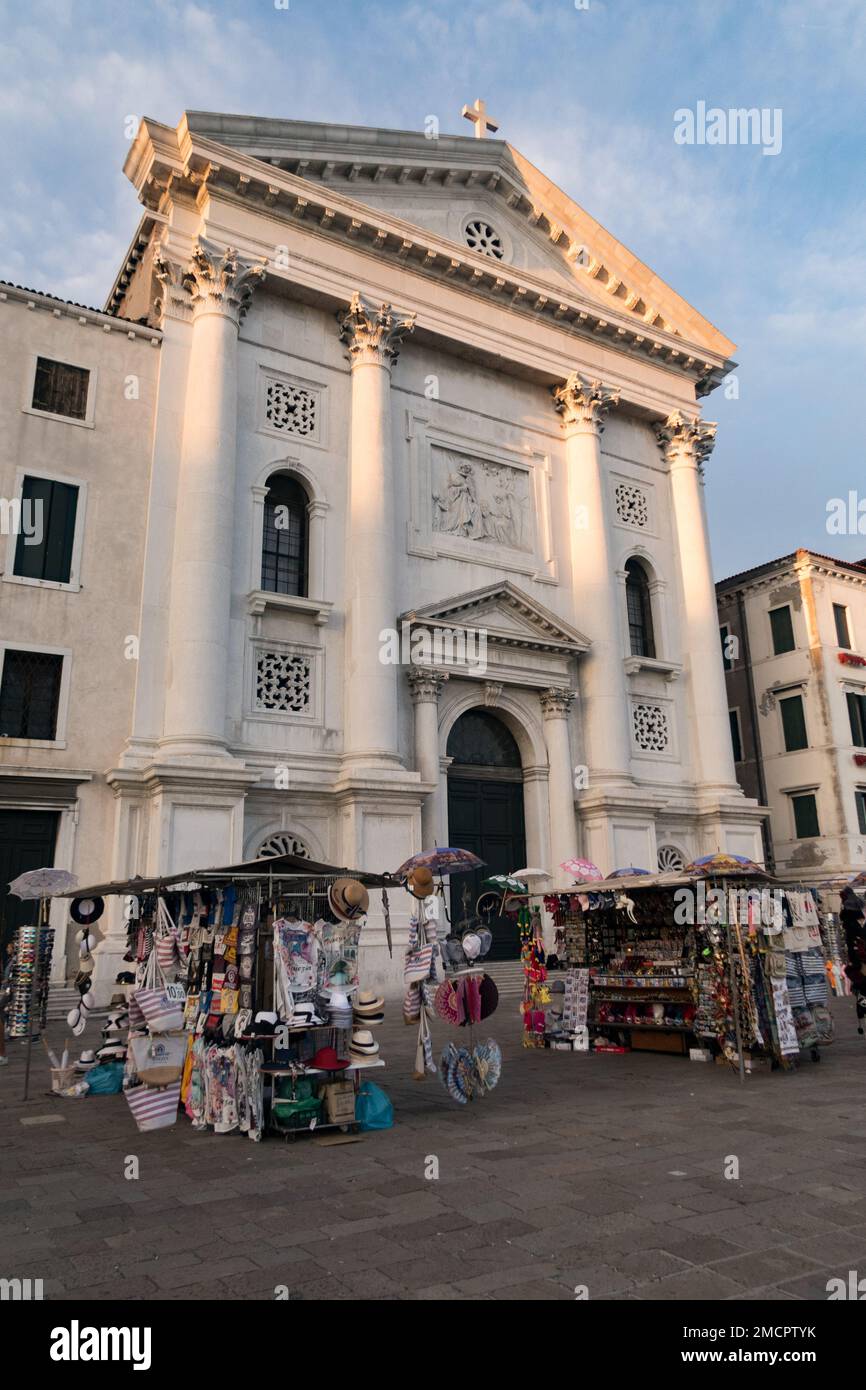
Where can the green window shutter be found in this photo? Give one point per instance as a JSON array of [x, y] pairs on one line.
[[48, 508], [782, 629], [793, 723], [806, 816]]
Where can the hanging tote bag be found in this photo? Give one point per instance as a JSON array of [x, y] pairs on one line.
[[159, 1060], [418, 965], [165, 939], [152, 1108], [162, 1004]]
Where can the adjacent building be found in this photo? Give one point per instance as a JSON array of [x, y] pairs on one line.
[[793, 634], [374, 517]]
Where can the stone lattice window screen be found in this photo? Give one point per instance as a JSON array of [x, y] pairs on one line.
[[632, 506], [651, 730], [481, 236], [283, 683], [283, 842], [291, 409], [670, 859]]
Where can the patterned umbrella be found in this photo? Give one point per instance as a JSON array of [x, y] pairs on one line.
[[42, 883], [626, 873], [442, 860], [859, 881], [582, 869], [724, 864], [504, 881]]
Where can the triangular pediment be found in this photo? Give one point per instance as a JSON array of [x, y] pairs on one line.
[[506, 614], [440, 184]]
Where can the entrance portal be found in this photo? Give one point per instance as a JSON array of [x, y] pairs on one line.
[[485, 815], [26, 842]]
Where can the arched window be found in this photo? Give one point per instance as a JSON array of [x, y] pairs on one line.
[[284, 537], [640, 617], [479, 739]]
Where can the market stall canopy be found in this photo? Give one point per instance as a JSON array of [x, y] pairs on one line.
[[638, 880], [275, 866], [729, 865]]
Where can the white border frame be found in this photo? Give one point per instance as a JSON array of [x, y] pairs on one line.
[[73, 584], [27, 405], [648, 489], [669, 707], [59, 740]]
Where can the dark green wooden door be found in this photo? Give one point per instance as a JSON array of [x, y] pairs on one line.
[[486, 816], [26, 842]]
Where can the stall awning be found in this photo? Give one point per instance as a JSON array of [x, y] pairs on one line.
[[275, 867]]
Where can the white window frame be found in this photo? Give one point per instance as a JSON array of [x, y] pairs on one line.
[[59, 740], [68, 360], [73, 584]]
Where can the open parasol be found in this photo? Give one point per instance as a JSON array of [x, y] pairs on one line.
[[583, 870], [42, 883], [736, 864], [442, 860], [506, 882]]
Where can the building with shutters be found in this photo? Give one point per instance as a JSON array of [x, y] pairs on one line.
[[793, 634]]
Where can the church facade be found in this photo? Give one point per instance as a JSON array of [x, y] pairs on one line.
[[415, 547]]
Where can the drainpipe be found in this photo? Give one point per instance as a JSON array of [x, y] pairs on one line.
[[766, 832]]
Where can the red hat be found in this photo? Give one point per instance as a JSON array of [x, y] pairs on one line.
[[326, 1059]]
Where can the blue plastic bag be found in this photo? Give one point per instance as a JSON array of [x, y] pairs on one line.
[[105, 1080], [373, 1109]]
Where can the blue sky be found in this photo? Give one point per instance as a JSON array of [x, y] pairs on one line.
[[771, 249]]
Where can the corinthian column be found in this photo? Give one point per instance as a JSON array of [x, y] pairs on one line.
[[373, 338], [555, 705], [686, 441], [425, 688], [220, 285], [583, 403]]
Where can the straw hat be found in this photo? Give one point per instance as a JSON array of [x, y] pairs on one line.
[[364, 1044], [348, 899], [420, 881]]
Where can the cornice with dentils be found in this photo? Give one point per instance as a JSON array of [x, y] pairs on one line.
[[164, 162]]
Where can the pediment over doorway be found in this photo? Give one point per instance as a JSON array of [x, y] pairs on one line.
[[512, 621]]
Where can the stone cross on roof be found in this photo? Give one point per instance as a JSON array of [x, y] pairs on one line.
[[477, 113]]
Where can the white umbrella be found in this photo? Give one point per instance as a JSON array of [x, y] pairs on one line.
[[42, 883], [531, 873]]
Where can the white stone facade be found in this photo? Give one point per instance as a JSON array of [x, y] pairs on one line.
[[797, 692], [489, 431]]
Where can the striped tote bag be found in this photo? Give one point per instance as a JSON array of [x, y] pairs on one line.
[[154, 1108]]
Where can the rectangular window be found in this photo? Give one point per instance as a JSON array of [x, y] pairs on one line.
[[736, 739], [60, 389], [840, 617], [30, 694], [724, 634], [805, 816], [783, 630], [793, 723], [49, 510], [860, 794], [857, 716]]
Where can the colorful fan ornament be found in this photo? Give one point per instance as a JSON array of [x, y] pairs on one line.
[[468, 1074]]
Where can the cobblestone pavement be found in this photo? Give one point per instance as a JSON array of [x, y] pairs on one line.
[[604, 1171]]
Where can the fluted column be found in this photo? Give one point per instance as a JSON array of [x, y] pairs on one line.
[[583, 403], [373, 338], [555, 706], [425, 688], [220, 285], [686, 441]]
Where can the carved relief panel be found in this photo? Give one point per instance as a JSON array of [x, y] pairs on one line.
[[488, 504]]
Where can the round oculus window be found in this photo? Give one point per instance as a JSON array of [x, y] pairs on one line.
[[480, 236]]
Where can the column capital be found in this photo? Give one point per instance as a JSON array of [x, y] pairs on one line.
[[583, 402], [556, 703], [373, 335], [221, 281], [425, 686], [686, 439]]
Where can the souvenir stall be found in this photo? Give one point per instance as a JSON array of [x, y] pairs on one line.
[[464, 995], [243, 999], [718, 961]]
